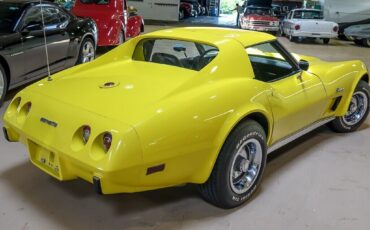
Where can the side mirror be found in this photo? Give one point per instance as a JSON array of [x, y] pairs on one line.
[[32, 26], [179, 48], [304, 65]]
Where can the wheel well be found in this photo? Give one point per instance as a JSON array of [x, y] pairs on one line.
[[5, 65], [260, 118], [91, 37], [365, 78], [142, 28]]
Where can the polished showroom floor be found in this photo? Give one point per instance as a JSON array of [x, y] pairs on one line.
[[320, 181]]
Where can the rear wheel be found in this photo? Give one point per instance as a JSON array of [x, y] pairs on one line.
[[87, 51], [239, 167], [181, 14], [3, 85], [326, 40], [366, 42], [358, 42], [292, 39], [357, 111]]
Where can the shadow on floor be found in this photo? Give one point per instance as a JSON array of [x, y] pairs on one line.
[[74, 205]]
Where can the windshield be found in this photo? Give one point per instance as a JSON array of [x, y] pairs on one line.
[[307, 14], [257, 10], [8, 16]]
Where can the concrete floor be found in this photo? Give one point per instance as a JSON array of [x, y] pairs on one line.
[[320, 181]]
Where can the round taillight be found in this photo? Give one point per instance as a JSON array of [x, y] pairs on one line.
[[107, 141], [297, 27], [335, 28], [86, 131]]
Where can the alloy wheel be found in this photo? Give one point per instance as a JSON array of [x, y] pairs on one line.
[[246, 166], [88, 52], [357, 108]]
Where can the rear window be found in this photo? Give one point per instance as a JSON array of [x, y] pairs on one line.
[[184, 54], [99, 2]]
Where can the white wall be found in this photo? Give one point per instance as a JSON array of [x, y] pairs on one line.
[[166, 10], [346, 10]]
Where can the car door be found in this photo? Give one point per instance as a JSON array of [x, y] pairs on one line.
[[297, 98], [57, 40]]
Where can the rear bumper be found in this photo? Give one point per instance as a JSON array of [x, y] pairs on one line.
[[63, 167], [313, 34]]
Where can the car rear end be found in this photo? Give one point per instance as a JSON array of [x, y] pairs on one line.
[[314, 29], [68, 142]]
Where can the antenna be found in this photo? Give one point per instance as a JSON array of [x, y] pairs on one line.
[[45, 43]]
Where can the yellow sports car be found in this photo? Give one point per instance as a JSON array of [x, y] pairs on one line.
[[185, 105]]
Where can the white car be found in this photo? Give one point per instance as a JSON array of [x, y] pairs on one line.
[[308, 23]]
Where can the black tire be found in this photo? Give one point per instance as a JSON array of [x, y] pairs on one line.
[[340, 125], [181, 14], [366, 42], [358, 42], [292, 39], [81, 56], [326, 40], [3, 85], [218, 190]]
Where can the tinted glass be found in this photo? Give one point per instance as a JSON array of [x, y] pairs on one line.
[[307, 14], [185, 54], [9, 13], [269, 63], [257, 10], [99, 2], [33, 16]]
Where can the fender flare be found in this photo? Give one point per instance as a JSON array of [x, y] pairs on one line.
[[233, 121]]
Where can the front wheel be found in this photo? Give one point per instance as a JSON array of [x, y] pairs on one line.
[[3, 85], [357, 111], [239, 167], [366, 42], [326, 40], [87, 51]]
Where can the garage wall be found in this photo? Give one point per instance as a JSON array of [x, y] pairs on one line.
[[164, 10]]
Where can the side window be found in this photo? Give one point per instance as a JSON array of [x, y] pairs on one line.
[[270, 63], [33, 16], [185, 54], [51, 16]]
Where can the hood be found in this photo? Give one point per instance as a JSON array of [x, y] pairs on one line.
[[257, 17], [124, 90]]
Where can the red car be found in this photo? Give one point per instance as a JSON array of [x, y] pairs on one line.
[[115, 21], [259, 19]]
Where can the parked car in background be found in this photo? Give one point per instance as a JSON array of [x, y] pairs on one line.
[[360, 34], [308, 23], [196, 7], [186, 10], [23, 58], [259, 19], [115, 20]]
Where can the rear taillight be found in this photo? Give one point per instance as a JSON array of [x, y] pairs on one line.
[[297, 27], [107, 141], [86, 131], [335, 28]]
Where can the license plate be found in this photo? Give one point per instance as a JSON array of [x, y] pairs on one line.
[[316, 34], [49, 161]]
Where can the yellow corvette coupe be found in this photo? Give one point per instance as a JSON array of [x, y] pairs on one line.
[[185, 105]]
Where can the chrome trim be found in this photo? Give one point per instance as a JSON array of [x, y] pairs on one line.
[[298, 134]]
